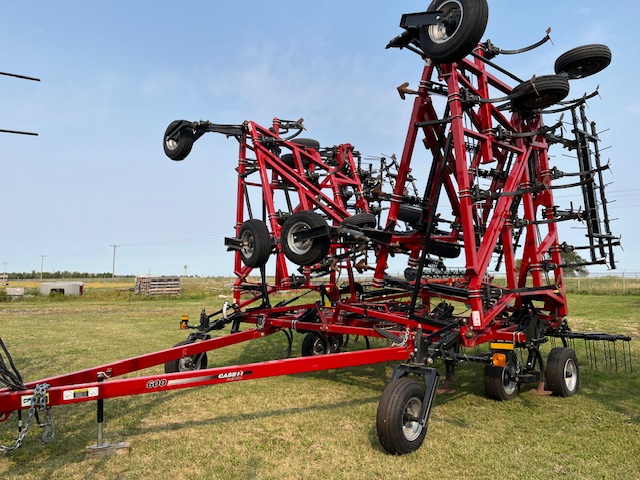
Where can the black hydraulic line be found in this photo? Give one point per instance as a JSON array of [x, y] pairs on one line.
[[497, 67], [24, 77], [12, 379], [493, 50], [284, 303], [263, 284], [18, 132], [432, 191]]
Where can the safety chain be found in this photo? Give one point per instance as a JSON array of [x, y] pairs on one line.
[[38, 403]]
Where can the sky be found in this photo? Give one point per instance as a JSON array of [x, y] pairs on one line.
[[115, 74]]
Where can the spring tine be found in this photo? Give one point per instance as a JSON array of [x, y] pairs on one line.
[[615, 356], [587, 348]]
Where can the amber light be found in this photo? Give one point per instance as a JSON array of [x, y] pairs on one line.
[[184, 322], [499, 359]]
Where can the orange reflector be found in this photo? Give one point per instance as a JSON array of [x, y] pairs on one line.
[[499, 359], [184, 322]]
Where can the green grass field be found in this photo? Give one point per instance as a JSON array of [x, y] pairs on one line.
[[308, 426]]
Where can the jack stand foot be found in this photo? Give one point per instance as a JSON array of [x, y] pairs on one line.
[[94, 451], [447, 387], [540, 390]]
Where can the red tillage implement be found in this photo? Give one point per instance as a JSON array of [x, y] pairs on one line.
[[487, 200]]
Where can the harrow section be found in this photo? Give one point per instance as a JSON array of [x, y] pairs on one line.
[[323, 225]]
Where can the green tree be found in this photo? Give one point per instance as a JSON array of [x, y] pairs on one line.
[[572, 258], [568, 258]]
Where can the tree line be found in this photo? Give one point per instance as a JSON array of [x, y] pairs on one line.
[[33, 275]]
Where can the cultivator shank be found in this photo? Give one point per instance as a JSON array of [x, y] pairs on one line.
[[322, 228]]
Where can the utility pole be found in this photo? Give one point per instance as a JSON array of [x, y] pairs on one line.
[[41, 265], [113, 271]]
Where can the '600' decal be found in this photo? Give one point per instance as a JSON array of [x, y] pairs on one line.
[[156, 383]]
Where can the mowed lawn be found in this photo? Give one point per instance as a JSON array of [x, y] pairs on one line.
[[308, 426]]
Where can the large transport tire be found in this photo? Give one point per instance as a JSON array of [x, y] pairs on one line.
[[398, 428], [367, 220], [306, 142], [562, 372], [584, 61], [410, 214], [459, 31], [444, 249], [540, 93], [178, 149], [287, 158], [256, 243], [186, 364], [306, 252], [499, 382]]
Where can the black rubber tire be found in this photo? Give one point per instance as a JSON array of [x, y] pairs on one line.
[[562, 372], [543, 92], [583, 61], [410, 214], [307, 143], [498, 382], [367, 220], [287, 158], [257, 243], [313, 344], [307, 252], [186, 364], [444, 249], [447, 44], [398, 434], [180, 148]]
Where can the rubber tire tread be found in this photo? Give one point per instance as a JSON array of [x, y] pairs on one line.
[[309, 341], [185, 142], [306, 142], [595, 55], [261, 243], [554, 372], [360, 220], [173, 366], [410, 214], [320, 245], [475, 18], [493, 384], [545, 85], [390, 414]]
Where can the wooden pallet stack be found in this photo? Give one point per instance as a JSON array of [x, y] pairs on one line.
[[150, 285]]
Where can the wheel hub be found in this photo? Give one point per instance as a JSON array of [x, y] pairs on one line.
[[449, 23], [411, 427]]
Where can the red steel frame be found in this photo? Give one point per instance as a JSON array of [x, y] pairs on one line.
[[482, 225]]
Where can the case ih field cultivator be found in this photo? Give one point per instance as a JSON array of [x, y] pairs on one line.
[[317, 217]]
